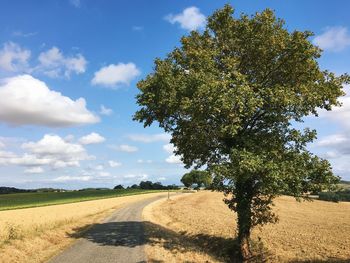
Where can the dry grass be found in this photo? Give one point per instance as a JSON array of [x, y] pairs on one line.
[[200, 228], [36, 234]]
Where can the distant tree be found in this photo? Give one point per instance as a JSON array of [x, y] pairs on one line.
[[230, 96], [134, 186], [119, 186], [146, 185], [199, 178]]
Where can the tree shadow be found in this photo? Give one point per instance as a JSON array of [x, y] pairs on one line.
[[130, 234]]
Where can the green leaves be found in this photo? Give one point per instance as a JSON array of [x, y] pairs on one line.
[[230, 95]]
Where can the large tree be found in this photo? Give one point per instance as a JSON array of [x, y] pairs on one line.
[[231, 97], [196, 177]]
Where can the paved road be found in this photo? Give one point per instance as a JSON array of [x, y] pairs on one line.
[[120, 238]]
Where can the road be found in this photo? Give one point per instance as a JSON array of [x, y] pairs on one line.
[[120, 238]]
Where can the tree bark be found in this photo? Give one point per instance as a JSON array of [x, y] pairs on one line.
[[244, 220], [244, 246]]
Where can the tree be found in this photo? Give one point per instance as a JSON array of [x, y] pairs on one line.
[[230, 96], [119, 186], [196, 177]]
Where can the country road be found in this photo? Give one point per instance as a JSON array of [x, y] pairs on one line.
[[120, 238]]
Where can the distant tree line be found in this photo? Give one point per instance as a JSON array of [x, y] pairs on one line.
[[148, 185]]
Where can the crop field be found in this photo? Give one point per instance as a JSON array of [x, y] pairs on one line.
[[26, 200], [200, 228], [36, 234]]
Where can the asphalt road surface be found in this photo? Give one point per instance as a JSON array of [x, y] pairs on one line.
[[120, 238]]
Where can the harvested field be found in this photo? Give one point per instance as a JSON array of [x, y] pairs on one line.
[[36, 234], [200, 228]]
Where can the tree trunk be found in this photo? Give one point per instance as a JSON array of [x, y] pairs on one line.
[[244, 247], [244, 220]]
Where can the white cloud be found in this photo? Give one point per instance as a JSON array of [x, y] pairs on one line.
[[333, 39], [162, 178], [67, 178], [148, 138], [113, 75], [114, 164], [338, 143], [136, 177], [54, 64], [339, 114], [25, 100], [144, 161], [99, 167], [91, 138], [2, 145], [190, 19], [169, 148], [105, 111], [174, 159], [13, 57], [104, 174], [22, 34], [124, 148], [56, 152], [34, 170]]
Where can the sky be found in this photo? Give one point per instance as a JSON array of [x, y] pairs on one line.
[[68, 74]]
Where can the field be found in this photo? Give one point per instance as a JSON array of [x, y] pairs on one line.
[[26, 200], [200, 228], [35, 234]]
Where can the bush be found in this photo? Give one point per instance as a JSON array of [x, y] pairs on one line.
[[335, 196]]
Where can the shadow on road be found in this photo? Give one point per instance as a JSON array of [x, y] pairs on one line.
[[130, 234]]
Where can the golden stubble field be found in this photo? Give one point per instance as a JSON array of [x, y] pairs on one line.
[[36, 234], [199, 228]]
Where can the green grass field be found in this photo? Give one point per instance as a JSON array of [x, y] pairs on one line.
[[26, 200]]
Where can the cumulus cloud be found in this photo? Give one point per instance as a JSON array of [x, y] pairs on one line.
[[338, 143], [113, 75], [51, 151], [34, 170], [56, 152], [13, 57], [190, 19], [92, 138], [54, 64], [174, 159], [148, 138], [114, 164], [105, 111], [124, 148], [339, 114], [169, 148], [333, 39], [25, 100]]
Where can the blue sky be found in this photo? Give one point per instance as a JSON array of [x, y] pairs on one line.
[[68, 74]]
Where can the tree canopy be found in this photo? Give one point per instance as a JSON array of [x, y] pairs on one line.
[[197, 177], [230, 97]]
